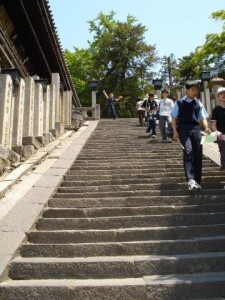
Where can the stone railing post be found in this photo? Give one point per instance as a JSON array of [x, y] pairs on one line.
[[28, 119], [52, 107], [19, 93], [97, 111], [67, 111], [6, 94], [46, 103], [207, 98], [56, 83], [38, 110], [58, 103]]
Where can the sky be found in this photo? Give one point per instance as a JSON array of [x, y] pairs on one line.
[[174, 26]]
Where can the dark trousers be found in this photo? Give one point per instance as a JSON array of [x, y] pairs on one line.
[[141, 115], [190, 139], [151, 125], [221, 145], [162, 125], [111, 111]]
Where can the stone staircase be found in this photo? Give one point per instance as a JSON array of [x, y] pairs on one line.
[[124, 226]]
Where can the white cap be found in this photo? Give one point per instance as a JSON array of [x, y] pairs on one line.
[[220, 90], [155, 97]]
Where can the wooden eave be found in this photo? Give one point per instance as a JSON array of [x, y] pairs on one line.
[[36, 32]]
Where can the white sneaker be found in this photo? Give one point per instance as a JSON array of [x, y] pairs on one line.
[[198, 186], [154, 136], [192, 185]]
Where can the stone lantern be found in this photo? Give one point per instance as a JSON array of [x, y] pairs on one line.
[[157, 86], [214, 84]]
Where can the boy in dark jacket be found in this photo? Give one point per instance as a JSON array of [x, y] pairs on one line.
[[188, 118], [151, 107]]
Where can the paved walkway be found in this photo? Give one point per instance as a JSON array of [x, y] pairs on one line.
[[26, 190]]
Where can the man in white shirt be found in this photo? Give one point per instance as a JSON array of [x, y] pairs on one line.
[[140, 111], [165, 107]]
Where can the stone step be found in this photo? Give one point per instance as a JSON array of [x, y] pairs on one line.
[[130, 221], [128, 288], [195, 286], [68, 182], [128, 190], [151, 159], [130, 211], [125, 234], [114, 267], [124, 226], [129, 155], [132, 166], [140, 194], [192, 199], [155, 247], [153, 171], [140, 173], [133, 149]]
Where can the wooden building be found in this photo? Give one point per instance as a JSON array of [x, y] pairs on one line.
[[29, 42]]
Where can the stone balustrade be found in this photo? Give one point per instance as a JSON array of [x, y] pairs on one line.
[[31, 114], [95, 112], [208, 95]]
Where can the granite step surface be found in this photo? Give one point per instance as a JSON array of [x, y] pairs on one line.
[[123, 225]]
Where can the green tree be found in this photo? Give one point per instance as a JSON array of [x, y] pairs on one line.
[[187, 68], [211, 55], [118, 57], [80, 64], [123, 59], [169, 72]]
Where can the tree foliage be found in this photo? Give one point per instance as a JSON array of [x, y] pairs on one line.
[[211, 55], [80, 64], [169, 71], [118, 57], [123, 59]]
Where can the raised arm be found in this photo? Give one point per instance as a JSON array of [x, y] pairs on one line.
[[105, 94], [120, 97]]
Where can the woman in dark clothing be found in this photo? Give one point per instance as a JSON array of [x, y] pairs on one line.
[[218, 124], [110, 104]]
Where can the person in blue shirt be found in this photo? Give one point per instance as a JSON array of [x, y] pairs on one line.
[[186, 120]]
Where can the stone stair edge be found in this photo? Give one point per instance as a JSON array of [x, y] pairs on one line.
[[129, 258]]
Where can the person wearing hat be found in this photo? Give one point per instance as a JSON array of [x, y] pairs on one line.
[[218, 124], [187, 115]]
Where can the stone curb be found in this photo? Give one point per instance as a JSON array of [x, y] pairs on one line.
[[26, 191]]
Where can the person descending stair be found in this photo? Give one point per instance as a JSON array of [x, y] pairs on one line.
[[218, 124], [151, 107], [165, 107], [186, 119]]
